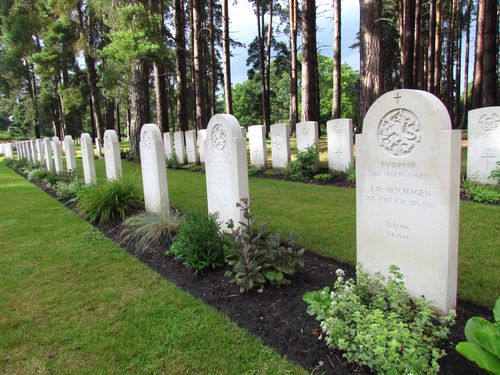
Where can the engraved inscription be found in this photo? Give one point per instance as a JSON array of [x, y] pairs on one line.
[[146, 140], [399, 132], [279, 142], [489, 121], [218, 136]]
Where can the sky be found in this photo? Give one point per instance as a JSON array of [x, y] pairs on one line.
[[243, 28]]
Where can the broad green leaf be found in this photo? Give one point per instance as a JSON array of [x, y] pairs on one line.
[[479, 356], [473, 325], [496, 311]]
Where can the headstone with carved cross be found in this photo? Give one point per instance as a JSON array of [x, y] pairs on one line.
[[180, 147], [339, 132], [168, 144], [408, 193], [307, 134], [483, 144], [193, 157], [280, 145], [257, 143]]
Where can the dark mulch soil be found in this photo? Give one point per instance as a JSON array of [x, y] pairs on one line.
[[278, 315]]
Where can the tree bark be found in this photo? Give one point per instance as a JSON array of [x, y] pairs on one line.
[[432, 45], [213, 67], [110, 114], [489, 83], [161, 97], [458, 61], [466, 64], [200, 103], [437, 51], [310, 100], [260, 40], [337, 69], [408, 41], [370, 55], [294, 98], [118, 124], [228, 95], [268, 66], [416, 46], [139, 111], [180, 66]]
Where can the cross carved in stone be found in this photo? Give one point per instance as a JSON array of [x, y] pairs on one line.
[[487, 156], [397, 97]]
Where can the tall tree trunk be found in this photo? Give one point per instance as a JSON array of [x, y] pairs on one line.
[[161, 97], [478, 58], [180, 66], [408, 41], [437, 52], [432, 46], [310, 100], [268, 65], [110, 114], [466, 64], [213, 67], [370, 55], [458, 60], [294, 98], [118, 124], [193, 78], [260, 40], [489, 83], [139, 104], [200, 104], [31, 83], [228, 95], [416, 46], [337, 69]]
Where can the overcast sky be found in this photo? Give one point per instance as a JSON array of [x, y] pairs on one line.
[[243, 28]]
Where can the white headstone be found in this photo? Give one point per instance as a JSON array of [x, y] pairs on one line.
[[69, 146], [257, 141], [180, 147], [202, 137], [39, 149], [244, 132], [339, 133], [168, 144], [49, 162], [407, 193], [153, 167], [57, 150], [112, 156], [280, 145], [191, 147], [89, 175], [10, 153], [32, 145], [98, 147], [483, 148], [226, 168], [307, 134]]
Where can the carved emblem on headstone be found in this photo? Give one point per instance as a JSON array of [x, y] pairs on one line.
[[146, 140], [107, 143], [218, 137], [279, 141], [399, 132], [489, 121]]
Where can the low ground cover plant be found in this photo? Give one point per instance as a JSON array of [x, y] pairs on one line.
[[495, 174], [481, 193], [100, 204], [483, 341], [173, 162], [376, 324], [148, 229], [303, 168], [68, 190], [199, 243], [258, 256]]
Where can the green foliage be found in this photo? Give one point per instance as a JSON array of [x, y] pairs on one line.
[[323, 177], [199, 243], [173, 162], [17, 164], [148, 229], [68, 190], [376, 323], [38, 174], [481, 193], [495, 174], [351, 174], [100, 204], [302, 169], [5, 136], [253, 171], [483, 342], [258, 256]]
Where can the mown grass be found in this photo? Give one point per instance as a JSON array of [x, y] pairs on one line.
[[73, 302], [324, 217]]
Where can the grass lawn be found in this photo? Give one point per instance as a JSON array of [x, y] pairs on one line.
[[324, 217], [73, 302]]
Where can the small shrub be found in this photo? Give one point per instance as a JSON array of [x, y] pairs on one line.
[[18, 164], [109, 201], [302, 169], [351, 174], [323, 177], [480, 193], [150, 228], [253, 171], [69, 190], [38, 174], [495, 174], [257, 256], [376, 323], [199, 243], [275, 172], [51, 179], [173, 162]]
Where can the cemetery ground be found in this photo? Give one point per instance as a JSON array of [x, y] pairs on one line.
[[324, 218]]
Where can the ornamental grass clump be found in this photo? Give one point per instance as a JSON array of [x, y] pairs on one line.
[[100, 204], [376, 324], [149, 229]]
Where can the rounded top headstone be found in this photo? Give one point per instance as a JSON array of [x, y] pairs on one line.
[[149, 134], [220, 128], [110, 137]]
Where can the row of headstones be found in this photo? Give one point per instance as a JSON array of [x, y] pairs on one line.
[[188, 146]]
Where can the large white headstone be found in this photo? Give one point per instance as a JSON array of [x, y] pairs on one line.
[[307, 134], [280, 145], [226, 167], [202, 137], [191, 147], [69, 146], [112, 158], [32, 146], [98, 147], [89, 175], [339, 132], [57, 150], [39, 150], [49, 162], [257, 141], [153, 167], [168, 143], [407, 193], [180, 147], [483, 148]]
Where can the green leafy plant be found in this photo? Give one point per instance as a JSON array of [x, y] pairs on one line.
[[148, 229], [495, 174], [351, 174], [258, 256], [323, 177], [68, 190], [253, 171], [303, 168], [111, 200], [38, 174], [483, 341], [481, 193], [199, 243], [376, 323], [173, 162]]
